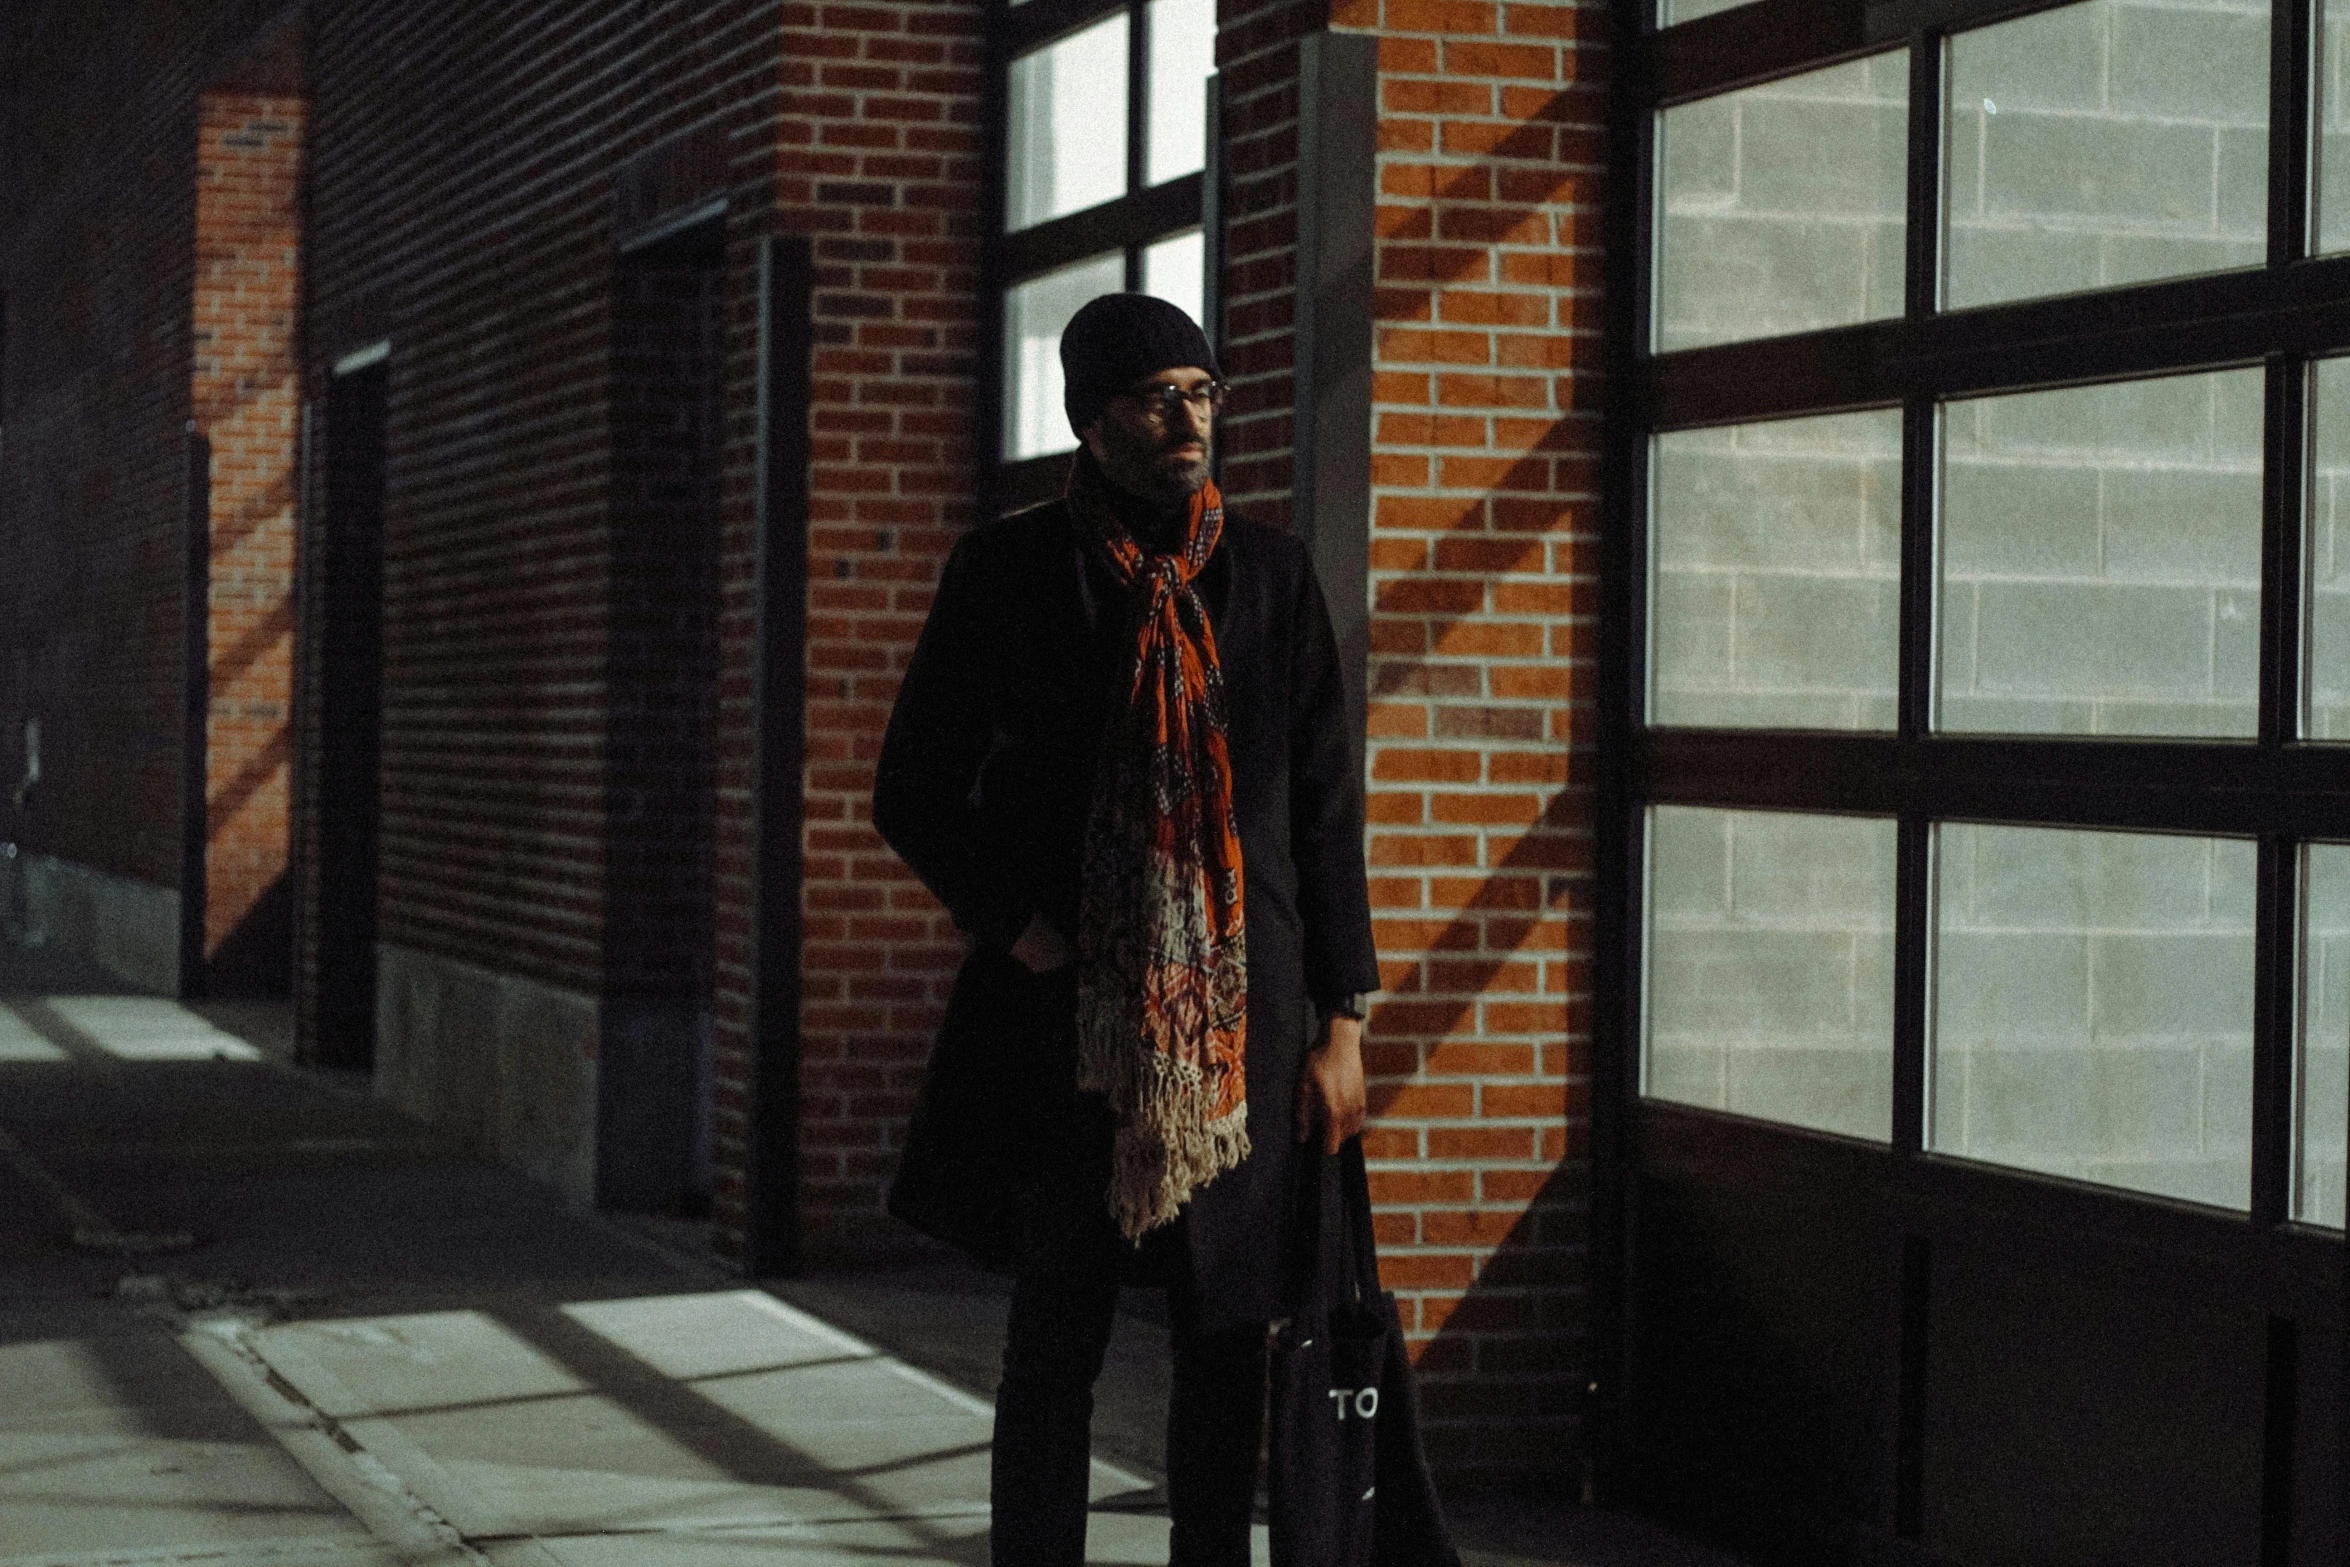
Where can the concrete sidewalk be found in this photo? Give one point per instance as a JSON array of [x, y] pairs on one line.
[[248, 1316]]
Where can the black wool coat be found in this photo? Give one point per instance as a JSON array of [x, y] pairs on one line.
[[983, 788]]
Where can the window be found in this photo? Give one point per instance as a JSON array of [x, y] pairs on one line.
[[2102, 143], [1105, 148], [2093, 1006], [2099, 559], [1770, 966], [2321, 1079], [1780, 205], [1986, 712], [1775, 593]]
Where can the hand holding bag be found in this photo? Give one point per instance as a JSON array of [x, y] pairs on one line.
[[1348, 1483]]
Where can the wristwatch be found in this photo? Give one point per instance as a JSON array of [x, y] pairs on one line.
[[1344, 1006]]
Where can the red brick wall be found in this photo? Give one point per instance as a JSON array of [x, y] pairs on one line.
[[1257, 62], [879, 157], [1485, 484], [246, 400], [462, 170], [464, 163], [1486, 490], [97, 246], [855, 125], [1485, 477]]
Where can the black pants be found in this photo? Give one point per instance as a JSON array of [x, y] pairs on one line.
[[1062, 1303]]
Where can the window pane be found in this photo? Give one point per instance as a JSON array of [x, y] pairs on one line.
[[1183, 55], [1776, 597], [1782, 205], [2329, 180], [1066, 132], [2321, 1080], [1670, 11], [1176, 270], [2106, 143], [2093, 1007], [2326, 598], [1034, 314], [1770, 966], [2100, 559]]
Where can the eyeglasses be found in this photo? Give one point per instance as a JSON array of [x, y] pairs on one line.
[[1160, 400]]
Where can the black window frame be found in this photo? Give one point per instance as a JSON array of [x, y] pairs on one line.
[[1142, 217], [2275, 789]]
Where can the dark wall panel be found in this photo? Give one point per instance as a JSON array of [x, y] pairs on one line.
[[1762, 1321], [2086, 1420]]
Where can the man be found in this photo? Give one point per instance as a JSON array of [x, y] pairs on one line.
[[1120, 759]]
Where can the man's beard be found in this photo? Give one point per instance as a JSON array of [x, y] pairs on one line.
[[1141, 465]]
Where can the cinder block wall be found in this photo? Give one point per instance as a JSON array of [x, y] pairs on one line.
[[2099, 559], [1777, 558], [1755, 241], [2057, 105], [2325, 1025], [1770, 966], [2050, 942]]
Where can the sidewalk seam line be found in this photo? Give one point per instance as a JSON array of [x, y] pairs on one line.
[[370, 1490]]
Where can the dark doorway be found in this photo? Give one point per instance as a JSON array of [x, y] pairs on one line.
[[350, 714], [655, 1073]]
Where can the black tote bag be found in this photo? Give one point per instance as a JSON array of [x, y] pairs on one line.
[[1348, 1482]]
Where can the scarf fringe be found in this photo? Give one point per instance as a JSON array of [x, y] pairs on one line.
[[1165, 1146]]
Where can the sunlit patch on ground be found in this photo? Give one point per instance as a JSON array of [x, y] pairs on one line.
[[145, 1028]]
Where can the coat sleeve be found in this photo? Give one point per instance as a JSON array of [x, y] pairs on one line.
[[1326, 809], [939, 737]]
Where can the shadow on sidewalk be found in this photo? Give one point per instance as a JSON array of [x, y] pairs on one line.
[[524, 1370]]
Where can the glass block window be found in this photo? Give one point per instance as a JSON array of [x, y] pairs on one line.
[[1034, 314], [1066, 140], [1182, 58], [1175, 270]]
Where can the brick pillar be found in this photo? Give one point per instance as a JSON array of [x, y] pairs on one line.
[[246, 399], [879, 161], [1486, 488]]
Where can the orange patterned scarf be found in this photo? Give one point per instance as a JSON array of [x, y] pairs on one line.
[[1162, 975]]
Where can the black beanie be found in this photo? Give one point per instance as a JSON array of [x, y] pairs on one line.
[[1120, 339]]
